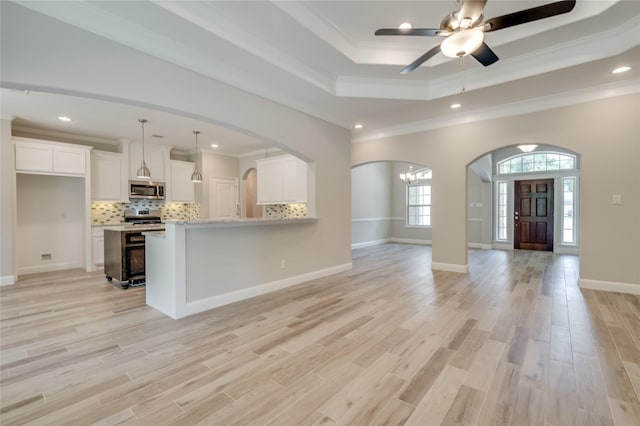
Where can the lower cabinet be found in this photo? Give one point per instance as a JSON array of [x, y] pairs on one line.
[[97, 246]]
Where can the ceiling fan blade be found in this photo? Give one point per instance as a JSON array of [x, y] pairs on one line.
[[485, 55], [530, 15], [421, 60], [410, 32], [471, 9]]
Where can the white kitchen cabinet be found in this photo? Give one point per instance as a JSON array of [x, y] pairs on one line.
[[281, 180], [181, 189], [39, 156], [156, 157], [97, 246], [108, 178]]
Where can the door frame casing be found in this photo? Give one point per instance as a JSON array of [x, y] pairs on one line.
[[558, 247]]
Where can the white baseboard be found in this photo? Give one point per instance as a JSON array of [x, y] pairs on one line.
[[410, 241], [450, 267], [480, 246], [502, 246], [356, 246], [247, 293], [7, 280], [37, 269], [609, 286], [567, 250]]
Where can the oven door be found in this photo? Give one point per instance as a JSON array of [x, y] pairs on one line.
[[134, 262]]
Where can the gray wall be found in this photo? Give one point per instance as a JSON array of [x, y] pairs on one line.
[[378, 205], [80, 63], [370, 203]]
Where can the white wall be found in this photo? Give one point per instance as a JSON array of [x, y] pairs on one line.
[[604, 133], [81, 63], [50, 219]]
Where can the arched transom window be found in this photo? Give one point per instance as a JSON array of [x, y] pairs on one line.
[[536, 162]]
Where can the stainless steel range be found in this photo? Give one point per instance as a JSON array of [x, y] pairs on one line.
[[124, 247]]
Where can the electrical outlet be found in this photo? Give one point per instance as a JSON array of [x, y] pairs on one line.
[[283, 263], [45, 256]]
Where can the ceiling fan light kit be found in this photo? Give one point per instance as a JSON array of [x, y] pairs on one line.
[[462, 43], [464, 30]]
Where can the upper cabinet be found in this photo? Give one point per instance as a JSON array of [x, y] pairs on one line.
[[281, 180], [181, 189], [45, 157], [108, 177], [156, 157]]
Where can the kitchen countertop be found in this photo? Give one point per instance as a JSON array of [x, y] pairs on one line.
[[242, 222], [150, 227]]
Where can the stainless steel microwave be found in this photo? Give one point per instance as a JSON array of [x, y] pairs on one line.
[[146, 189]]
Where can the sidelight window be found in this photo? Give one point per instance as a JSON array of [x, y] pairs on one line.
[[569, 210], [501, 208]]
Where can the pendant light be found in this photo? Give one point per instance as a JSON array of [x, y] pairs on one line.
[[196, 176], [143, 170]]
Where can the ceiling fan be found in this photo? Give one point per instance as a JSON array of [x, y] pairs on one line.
[[464, 30]]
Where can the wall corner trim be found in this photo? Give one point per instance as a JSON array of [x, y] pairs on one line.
[[7, 280], [609, 286], [202, 305], [450, 267]]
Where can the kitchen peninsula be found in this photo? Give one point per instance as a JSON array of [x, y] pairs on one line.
[[196, 266]]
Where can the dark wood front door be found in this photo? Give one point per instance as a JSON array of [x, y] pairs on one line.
[[533, 215]]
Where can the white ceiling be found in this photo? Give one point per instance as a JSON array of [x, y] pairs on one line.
[[322, 57]]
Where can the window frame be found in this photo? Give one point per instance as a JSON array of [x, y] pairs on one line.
[[562, 156], [425, 183]]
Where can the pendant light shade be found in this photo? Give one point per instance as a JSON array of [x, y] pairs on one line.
[[143, 170], [196, 176]]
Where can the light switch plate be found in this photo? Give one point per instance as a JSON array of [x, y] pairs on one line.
[[617, 199]]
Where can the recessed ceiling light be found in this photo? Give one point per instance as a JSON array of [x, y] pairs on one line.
[[455, 106], [215, 145], [63, 118], [358, 126], [620, 70], [405, 26]]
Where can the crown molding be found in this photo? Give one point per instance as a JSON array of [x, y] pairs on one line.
[[576, 52], [393, 53], [206, 16], [508, 110], [18, 130]]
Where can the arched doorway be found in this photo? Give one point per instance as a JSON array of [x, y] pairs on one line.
[[251, 208], [533, 201], [386, 209]]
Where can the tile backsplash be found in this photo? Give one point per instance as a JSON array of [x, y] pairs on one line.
[[113, 213], [286, 211]]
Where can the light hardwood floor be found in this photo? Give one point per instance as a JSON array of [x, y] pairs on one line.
[[514, 342]]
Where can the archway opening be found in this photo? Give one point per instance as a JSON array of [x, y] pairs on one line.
[[524, 200]]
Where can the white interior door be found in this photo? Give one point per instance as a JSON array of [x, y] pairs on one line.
[[223, 198]]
